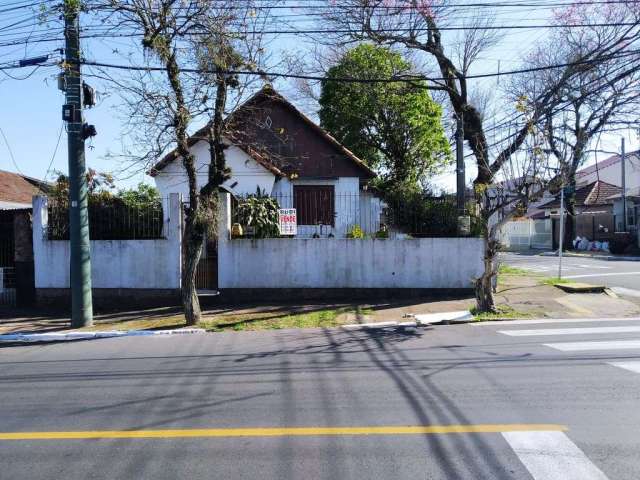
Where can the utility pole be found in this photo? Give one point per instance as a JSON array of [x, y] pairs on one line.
[[80, 257], [561, 232], [460, 181], [624, 186]]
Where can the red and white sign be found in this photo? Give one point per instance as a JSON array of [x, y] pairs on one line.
[[287, 221]]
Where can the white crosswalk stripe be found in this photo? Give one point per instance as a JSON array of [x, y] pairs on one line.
[[554, 328], [605, 345], [631, 366], [570, 331], [552, 456]]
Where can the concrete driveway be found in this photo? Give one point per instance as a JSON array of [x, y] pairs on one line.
[[619, 274]]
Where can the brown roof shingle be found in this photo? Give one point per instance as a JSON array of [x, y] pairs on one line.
[[596, 193], [14, 188], [267, 92]]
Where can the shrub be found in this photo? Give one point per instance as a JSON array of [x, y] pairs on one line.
[[261, 213], [355, 232]]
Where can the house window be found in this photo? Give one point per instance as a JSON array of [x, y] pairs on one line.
[[631, 216], [314, 204]]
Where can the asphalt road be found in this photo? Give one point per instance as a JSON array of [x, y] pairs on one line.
[[524, 409], [622, 274]]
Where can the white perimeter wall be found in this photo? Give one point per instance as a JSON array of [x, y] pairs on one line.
[[114, 263], [346, 263]]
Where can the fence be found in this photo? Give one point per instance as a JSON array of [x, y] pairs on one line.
[[369, 263], [595, 226], [324, 213], [112, 220], [7, 286], [7, 242], [525, 234]]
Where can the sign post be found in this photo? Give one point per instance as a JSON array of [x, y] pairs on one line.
[[561, 233], [287, 221]]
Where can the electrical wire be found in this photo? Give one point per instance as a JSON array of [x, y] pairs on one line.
[[55, 151], [13, 159]]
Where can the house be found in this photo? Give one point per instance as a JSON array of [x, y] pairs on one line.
[[17, 190], [593, 209], [610, 171], [277, 150], [542, 223], [16, 250], [632, 203]]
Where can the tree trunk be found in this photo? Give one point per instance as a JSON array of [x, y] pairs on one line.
[[484, 284], [193, 242]]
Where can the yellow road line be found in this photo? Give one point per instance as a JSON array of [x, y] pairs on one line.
[[282, 432]]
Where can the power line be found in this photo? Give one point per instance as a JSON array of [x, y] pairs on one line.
[[55, 151], [393, 79], [13, 159]]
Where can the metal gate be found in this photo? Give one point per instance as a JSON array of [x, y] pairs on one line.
[[207, 269], [7, 259]]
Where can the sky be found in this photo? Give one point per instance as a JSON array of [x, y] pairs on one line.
[[30, 108]]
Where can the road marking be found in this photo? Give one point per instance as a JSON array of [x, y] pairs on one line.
[[552, 456], [569, 331], [535, 321], [613, 274], [631, 366], [282, 432], [612, 345], [626, 291]]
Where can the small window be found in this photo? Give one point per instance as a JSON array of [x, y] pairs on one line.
[[314, 204]]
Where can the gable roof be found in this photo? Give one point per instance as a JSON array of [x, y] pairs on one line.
[[607, 162], [202, 135], [267, 93], [596, 193], [16, 191]]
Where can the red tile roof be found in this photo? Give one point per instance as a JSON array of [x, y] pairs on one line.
[[14, 188], [596, 193]]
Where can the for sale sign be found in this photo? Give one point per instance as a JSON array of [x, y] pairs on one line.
[[287, 221]]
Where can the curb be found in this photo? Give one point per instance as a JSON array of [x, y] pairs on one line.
[[61, 337], [580, 287], [446, 318], [381, 325], [443, 318], [610, 258]]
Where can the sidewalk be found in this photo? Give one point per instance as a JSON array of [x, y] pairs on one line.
[[518, 296]]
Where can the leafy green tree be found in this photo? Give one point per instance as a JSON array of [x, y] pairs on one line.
[[395, 127], [143, 195]]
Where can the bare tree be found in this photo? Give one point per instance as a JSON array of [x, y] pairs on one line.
[[198, 45], [416, 26], [602, 97]]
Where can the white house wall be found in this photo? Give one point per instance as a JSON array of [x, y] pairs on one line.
[[346, 197], [613, 174], [246, 173]]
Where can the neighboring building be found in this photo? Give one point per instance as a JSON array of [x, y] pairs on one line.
[[610, 171], [279, 151], [633, 210], [16, 191], [593, 208], [595, 221], [16, 250]]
